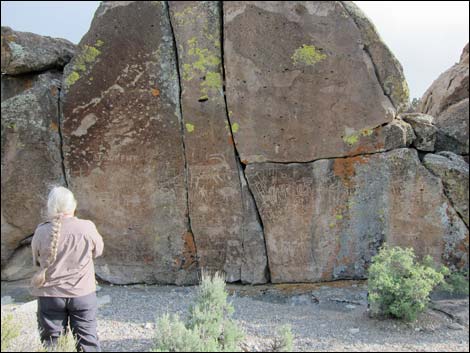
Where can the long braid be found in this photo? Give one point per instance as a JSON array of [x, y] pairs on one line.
[[39, 278]]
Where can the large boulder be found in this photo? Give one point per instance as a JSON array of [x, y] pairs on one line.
[[31, 158], [452, 128], [325, 220], [302, 83], [24, 52], [424, 129], [447, 99], [453, 171], [222, 219], [123, 144], [14, 85], [449, 88]]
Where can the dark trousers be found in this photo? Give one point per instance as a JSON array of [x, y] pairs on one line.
[[55, 313]]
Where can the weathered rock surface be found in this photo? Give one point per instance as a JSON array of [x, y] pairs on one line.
[[216, 205], [453, 171], [24, 52], [14, 85], [123, 145], [300, 84], [449, 88], [19, 266], [168, 171], [325, 220], [31, 159], [452, 125], [388, 68], [447, 99], [424, 129]]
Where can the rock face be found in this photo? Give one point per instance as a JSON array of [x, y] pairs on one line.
[[449, 88], [123, 147], [24, 52], [275, 52], [265, 140], [217, 209], [447, 100], [452, 128], [31, 159], [453, 171], [325, 220]]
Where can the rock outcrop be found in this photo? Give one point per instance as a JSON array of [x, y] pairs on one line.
[[453, 171], [325, 220], [447, 100], [24, 52], [301, 84], [262, 139], [220, 215], [31, 156], [123, 144]]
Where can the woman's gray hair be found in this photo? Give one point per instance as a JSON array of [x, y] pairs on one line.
[[60, 201]]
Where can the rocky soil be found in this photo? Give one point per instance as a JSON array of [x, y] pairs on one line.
[[328, 317]]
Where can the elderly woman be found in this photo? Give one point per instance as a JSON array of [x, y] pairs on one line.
[[64, 248]]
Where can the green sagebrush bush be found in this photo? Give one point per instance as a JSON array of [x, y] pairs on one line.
[[284, 341], [65, 343], [456, 283], [209, 327], [11, 331], [398, 285]]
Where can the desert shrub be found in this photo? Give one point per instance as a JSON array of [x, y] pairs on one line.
[[209, 327], [398, 285], [10, 330], [456, 282], [284, 341], [65, 343]]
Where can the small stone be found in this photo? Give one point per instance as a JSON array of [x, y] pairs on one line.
[[349, 306], [354, 330], [148, 326]]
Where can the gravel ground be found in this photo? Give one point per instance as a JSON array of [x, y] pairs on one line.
[[329, 317]]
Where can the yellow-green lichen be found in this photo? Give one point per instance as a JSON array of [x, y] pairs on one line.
[[397, 89], [189, 127], [186, 16], [332, 224], [82, 62], [72, 78], [339, 217], [235, 127], [351, 139], [213, 80], [86, 57], [308, 55]]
